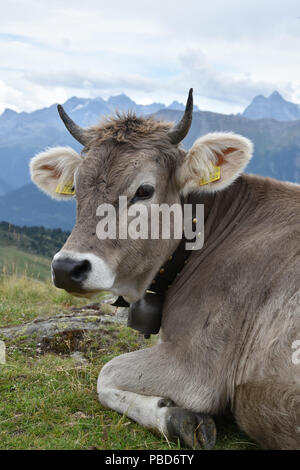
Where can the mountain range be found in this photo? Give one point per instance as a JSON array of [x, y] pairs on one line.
[[277, 147], [24, 134], [273, 107]]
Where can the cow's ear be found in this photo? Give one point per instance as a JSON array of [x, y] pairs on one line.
[[214, 162], [53, 171]]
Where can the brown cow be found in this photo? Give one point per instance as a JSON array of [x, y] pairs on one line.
[[230, 331]]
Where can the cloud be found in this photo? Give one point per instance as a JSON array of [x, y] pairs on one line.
[[233, 87], [91, 80], [8, 96], [227, 51]]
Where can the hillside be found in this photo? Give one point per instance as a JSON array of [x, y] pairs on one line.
[[14, 261], [28, 250], [30, 206]]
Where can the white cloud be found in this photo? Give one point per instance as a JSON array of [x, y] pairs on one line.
[[8, 96], [152, 50]]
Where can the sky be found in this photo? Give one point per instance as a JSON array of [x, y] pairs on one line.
[[228, 51]]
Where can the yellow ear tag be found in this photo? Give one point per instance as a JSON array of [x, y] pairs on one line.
[[67, 189], [214, 175]]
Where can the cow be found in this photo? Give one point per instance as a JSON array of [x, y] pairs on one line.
[[230, 328]]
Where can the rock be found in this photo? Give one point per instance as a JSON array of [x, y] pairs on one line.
[[2, 352], [122, 314], [93, 317]]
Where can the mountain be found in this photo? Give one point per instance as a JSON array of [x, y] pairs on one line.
[[276, 154], [24, 134], [274, 107], [30, 206], [4, 187], [276, 144]]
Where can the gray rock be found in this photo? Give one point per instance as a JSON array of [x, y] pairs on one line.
[[92, 317]]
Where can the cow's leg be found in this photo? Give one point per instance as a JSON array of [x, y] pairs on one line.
[[140, 384], [269, 413]]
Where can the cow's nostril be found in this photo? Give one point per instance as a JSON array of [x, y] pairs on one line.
[[69, 274], [79, 272]]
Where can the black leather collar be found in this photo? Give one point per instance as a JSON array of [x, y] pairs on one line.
[[145, 314]]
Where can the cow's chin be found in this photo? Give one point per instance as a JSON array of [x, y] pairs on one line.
[[129, 290], [86, 295], [130, 295], [93, 294]]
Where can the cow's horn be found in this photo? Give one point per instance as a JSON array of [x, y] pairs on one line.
[[178, 132], [76, 131]]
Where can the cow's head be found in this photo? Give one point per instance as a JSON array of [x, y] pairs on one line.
[[140, 158]]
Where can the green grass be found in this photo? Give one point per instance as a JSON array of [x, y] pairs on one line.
[[48, 401], [23, 299], [15, 261]]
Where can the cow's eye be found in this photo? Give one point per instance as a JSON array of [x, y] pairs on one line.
[[145, 191]]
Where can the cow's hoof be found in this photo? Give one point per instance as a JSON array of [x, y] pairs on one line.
[[195, 430]]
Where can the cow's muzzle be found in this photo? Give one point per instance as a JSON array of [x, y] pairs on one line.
[[70, 274]]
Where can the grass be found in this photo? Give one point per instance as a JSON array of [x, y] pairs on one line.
[[23, 299], [49, 400], [15, 261]]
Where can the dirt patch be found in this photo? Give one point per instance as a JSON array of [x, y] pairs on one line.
[[69, 341]]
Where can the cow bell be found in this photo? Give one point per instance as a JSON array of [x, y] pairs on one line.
[[145, 314]]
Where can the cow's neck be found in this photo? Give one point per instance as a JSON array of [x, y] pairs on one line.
[[145, 314], [223, 212]]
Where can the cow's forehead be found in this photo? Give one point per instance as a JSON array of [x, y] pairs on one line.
[[113, 162], [122, 147], [128, 128], [113, 168], [129, 135], [110, 154]]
